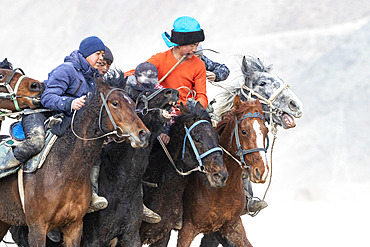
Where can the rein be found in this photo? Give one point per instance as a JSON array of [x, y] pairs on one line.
[[104, 105], [12, 95]]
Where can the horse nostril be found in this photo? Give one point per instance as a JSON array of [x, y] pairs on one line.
[[293, 105], [143, 135], [258, 173]]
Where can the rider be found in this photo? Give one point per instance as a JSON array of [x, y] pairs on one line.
[[69, 83], [178, 68], [108, 59]]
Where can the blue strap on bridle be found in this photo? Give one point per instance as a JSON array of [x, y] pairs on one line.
[[241, 152], [199, 157]]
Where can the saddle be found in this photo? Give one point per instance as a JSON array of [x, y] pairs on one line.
[[16, 136]]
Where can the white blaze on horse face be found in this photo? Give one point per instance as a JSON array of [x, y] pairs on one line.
[[259, 143]]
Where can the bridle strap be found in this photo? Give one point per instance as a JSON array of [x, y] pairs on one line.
[[12, 95], [146, 100], [188, 136]]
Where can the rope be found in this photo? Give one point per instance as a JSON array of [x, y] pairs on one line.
[[274, 132]]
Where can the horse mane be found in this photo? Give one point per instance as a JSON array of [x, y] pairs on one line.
[[5, 64], [115, 78], [192, 113]]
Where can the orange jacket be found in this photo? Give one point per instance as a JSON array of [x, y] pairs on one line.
[[191, 74]]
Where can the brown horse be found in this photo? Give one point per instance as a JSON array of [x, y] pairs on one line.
[[18, 91], [242, 135], [58, 194]]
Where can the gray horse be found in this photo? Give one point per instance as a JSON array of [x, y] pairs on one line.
[[279, 103]]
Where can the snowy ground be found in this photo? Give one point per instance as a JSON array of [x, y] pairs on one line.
[[321, 175]]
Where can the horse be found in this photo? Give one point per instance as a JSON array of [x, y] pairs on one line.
[[122, 168], [193, 147], [242, 135], [279, 103], [58, 194], [18, 91]]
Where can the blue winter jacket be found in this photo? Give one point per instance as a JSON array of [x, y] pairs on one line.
[[70, 80], [221, 71]]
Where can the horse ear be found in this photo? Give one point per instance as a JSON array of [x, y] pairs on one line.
[[199, 106], [237, 102], [247, 72], [268, 68]]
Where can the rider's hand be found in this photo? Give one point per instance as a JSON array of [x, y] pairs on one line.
[[165, 138], [78, 103], [210, 76]]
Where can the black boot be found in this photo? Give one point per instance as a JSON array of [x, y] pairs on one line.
[[8, 162], [252, 206]]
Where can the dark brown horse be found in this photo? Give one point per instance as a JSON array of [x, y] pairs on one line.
[[193, 145], [242, 135], [58, 194]]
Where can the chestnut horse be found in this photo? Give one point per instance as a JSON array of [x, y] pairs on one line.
[[18, 91], [242, 136], [58, 194]]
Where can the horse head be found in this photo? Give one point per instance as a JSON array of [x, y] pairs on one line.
[[244, 134], [276, 96], [118, 114], [199, 144], [18, 91]]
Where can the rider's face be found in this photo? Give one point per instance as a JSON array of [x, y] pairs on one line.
[[191, 49], [95, 59]]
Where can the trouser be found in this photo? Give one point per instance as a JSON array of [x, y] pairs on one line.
[[94, 176], [34, 131]]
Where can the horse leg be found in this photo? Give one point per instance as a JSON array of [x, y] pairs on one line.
[[186, 235], [162, 242], [72, 234], [214, 239], [37, 235], [4, 227], [133, 240], [236, 234]]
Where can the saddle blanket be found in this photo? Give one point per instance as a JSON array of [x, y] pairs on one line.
[[32, 164]]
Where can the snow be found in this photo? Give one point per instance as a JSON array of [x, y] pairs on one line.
[[321, 172]]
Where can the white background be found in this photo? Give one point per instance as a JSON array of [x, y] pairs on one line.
[[321, 171]]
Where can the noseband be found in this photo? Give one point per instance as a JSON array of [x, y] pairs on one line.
[[199, 157], [241, 152], [12, 95]]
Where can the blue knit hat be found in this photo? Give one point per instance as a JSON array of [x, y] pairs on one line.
[[91, 45], [186, 30], [108, 55]]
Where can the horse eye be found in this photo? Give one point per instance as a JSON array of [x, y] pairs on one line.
[[115, 103], [262, 83], [34, 85], [1, 76], [244, 132], [196, 139]]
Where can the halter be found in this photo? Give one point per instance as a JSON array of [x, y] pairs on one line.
[[146, 100], [241, 152], [12, 95], [270, 101], [199, 157], [104, 105]]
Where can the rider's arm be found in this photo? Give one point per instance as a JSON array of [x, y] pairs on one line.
[[220, 70]]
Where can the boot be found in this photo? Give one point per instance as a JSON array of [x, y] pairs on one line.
[[9, 161], [54, 235], [150, 216], [252, 206], [97, 202]]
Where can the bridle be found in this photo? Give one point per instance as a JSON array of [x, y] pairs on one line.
[[145, 99], [200, 166], [12, 94], [197, 155], [117, 130], [270, 101], [240, 151]]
